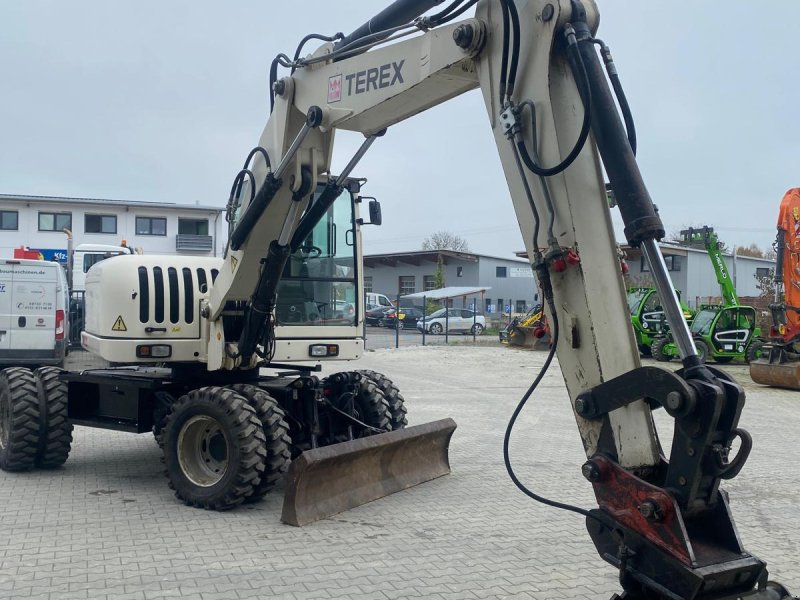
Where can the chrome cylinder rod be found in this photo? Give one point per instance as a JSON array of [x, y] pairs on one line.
[[669, 299]]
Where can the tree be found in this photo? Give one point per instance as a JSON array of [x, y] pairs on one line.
[[445, 240], [751, 250], [766, 285]]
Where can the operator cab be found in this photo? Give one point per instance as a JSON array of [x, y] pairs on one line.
[[729, 329]]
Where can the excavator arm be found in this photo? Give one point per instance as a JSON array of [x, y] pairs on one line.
[[665, 524]]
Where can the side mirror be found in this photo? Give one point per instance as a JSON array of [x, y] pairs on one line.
[[375, 217]]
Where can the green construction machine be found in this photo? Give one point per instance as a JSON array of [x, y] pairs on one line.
[[724, 331], [647, 316]]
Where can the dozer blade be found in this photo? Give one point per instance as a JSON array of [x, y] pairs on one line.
[[328, 480], [776, 374]]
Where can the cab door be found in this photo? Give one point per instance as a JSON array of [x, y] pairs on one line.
[[733, 328]]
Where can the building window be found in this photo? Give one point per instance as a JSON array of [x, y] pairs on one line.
[[151, 226], [459, 271], [192, 226], [520, 306], [428, 283], [100, 224], [672, 261], [54, 221], [9, 220], [501, 272], [367, 283], [407, 285], [487, 303], [763, 273], [500, 307]]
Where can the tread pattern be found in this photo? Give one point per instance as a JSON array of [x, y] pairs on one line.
[[276, 433], [657, 349], [391, 392], [241, 424], [373, 407], [20, 411], [55, 439]]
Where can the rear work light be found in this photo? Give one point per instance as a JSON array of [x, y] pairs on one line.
[[153, 351], [323, 350], [59, 324]]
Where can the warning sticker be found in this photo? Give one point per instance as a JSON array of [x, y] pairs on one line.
[[119, 325]]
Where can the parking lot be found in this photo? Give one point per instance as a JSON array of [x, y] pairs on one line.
[[107, 525]]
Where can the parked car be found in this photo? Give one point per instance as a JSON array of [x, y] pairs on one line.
[[375, 300], [456, 319], [409, 316], [374, 315]]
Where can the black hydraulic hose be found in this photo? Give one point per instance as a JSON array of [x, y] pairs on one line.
[[582, 82], [253, 152], [619, 93], [446, 16], [512, 421], [281, 59], [504, 54], [397, 13], [314, 36], [511, 77]]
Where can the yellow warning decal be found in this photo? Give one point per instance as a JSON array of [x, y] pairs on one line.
[[119, 325]]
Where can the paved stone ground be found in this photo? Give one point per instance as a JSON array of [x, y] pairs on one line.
[[107, 526]]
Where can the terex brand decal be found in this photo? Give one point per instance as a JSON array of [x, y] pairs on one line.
[[364, 81]]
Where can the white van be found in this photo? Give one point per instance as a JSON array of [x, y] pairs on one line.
[[34, 312], [374, 300]]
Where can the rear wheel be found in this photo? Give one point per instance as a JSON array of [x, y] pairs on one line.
[[276, 432], [702, 350], [55, 439], [19, 420], [477, 329], [396, 402], [754, 351], [372, 408], [657, 349], [214, 448]]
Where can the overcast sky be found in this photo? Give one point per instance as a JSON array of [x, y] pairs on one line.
[[161, 101]]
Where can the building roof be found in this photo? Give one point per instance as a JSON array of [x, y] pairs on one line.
[[19, 199], [446, 292], [417, 257]]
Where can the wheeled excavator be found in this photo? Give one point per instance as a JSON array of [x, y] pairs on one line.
[[779, 364], [551, 90]]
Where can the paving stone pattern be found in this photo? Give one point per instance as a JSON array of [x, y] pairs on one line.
[[107, 526]]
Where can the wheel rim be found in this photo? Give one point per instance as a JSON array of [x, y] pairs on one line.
[[436, 328], [400, 325], [203, 451], [5, 417]]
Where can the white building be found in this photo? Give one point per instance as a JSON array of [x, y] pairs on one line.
[[156, 227]]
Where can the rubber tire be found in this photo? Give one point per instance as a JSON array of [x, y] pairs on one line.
[[476, 329], [702, 350], [55, 433], [657, 349], [245, 457], [436, 329], [276, 432], [20, 405], [751, 354], [163, 406], [372, 407], [397, 404], [400, 325]]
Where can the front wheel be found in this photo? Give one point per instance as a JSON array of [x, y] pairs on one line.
[[477, 329], [400, 324], [657, 349], [214, 448], [436, 329], [754, 351], [702, 350], [19, 420]]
